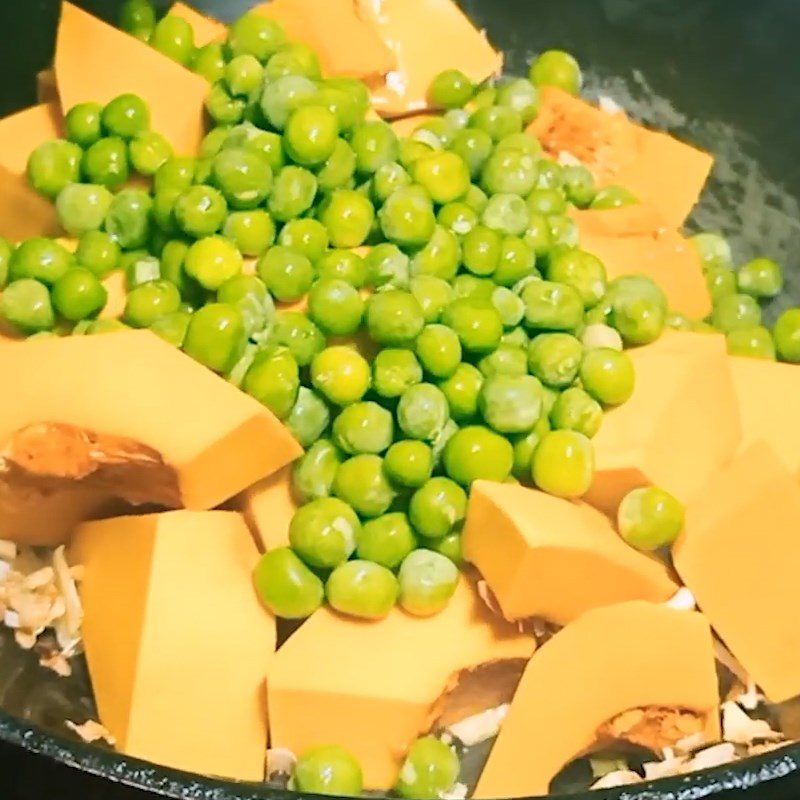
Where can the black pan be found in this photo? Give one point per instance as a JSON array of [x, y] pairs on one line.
[[724, 74]]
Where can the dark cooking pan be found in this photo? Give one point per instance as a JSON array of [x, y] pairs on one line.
[[724, 74]]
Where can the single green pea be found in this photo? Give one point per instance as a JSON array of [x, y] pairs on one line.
[[40, 258], [83, 125], [310, 134], [335, 306], [713, 249], [82, 207], [173, 258], [517, 261], [538, 236], [243, 75], [394, 371], [218, 137], [407, 217], [582, 271], [106, 162], [287, 274], [599, 335], [638, 320], [100, 326], [148, 151], [510, 171], [252, 232], [522, 96], [78, 294], [174, 37], [340, 374], [477, 453], [128, 219], [457, 217], [720, 281], [338, 170], [563, 464], [635, 287], [557, 68], [348, 217], [427, 582], [476, 198], [274, 380], [524, 447], [146, 303], [362, 589], [286, 586], [649, 518], [477, 324], [444, 175], [363, 427], [509, 306], [53, 165], [430, 770], [222, 107], [408, 463], [510, 403], [608, 375], [450, 89], [328, 770], [343, 103], [6, 251], [309, 417], [563, 230], [555, 359], [256, 35], [388, 178], [394, 318], [474, 146], [314, 472], [506, 360], [546, 201], [293, 193], [612, 197], [324, 532], [497, 121], [126, 116], [552, 306], [579, 185], [787, 335], [296, 332], [439, 350], [294, 58], [735, 311], [306, 236], [343, 265], [200, 211], [375, 144], [760, 278], [209, 61], [576, 410], [26, 305], [422, 411], [440, 257], [177, 172], [243, 176], [140, 267], [137, 17], [172, 327], [387, 540], [433, 294], [387, 266], [482, 248], [461, 390], [753, 342], [216, 336], [213, 260], [507, 214], [438, 507], [516, 338], [361, 482]]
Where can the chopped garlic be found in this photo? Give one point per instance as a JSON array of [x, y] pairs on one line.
[[280, 761], [599, 335], [714, 756], [428, 137], [682, 600], [622, 777], [738, 728], [457, 792], [653, 770], [479, 727]]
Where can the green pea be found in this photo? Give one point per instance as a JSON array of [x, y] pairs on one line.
[[422, 411], [563, 464], [140, 267], [306, 236], [128, 218], [735, 311], [216, 336], [477, 325], [314, 472], [137, 17], [287, 274], [106, 162], [148, 151], [78, 294], [40, 258], [394, 317], [363, 427], [340, 374], [375, 144], [252, 232], [506, 360], [612, 197], [476, 198], [394, 371], [295, 331], [753, 342], [450, 89], [509, 306], [348, 217], [387, 266], [343, 265], [438, 350], [274, 380], [335, 306], [6, 251], [438, 507], [457, 217], [256, 35], [309, 417], [649, 518], [720, 281], [358, 97], [172, 327], [361, 482], [474, 146], [510, 403], [433, 295], [100, 326], [461, 390], [477, 453], [497, 121], [293, 193], [209, 61], [387, 540], [608, 375], [787, 335], [222, 108], [342, 103], [408, 463], [517, 261], [430, 770], [146, 303], [582, 271], [174, 37], [638, 320], [127, 115], [213, 260], [550, 174], [294, 58], [576, 410], [286, 586], [339, 168], [407, 217], [579, 185], [538, 236], [310, 135], [713, 249], [552, 306], [200, 211], [82, 207], [444, 175], [243, 75], [324, 532], [557, 68], [520, 95], [761, 277], [555, 359], [362, 589], [82, 124], [427, 582], [524, 447], [388, 178], [53, 165], [243, 176], [506, 213], [328, 770], [26, 305], [177, 172], [510, 171], [517, 338], [440, 257]]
